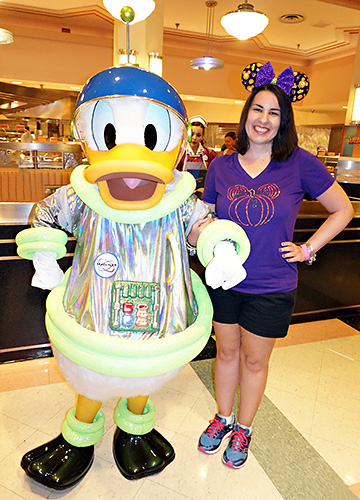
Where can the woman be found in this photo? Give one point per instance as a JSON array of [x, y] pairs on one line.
[[197, 157], [230, 143], [261, 188]]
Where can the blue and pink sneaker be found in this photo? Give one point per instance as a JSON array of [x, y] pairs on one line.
[[236, 453], [215, 433]]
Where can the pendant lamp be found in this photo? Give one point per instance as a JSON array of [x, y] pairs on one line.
[[6, 36], [208, 62], [142, 8], [245, 22]]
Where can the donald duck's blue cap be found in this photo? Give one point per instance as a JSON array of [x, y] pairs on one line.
[[131, 81]]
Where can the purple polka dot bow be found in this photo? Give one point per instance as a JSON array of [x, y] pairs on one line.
[[266, 74]]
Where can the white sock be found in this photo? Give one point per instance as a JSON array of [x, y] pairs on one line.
[[245, 427], [229, 420]]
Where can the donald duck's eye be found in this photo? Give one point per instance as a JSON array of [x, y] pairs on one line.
[[102, 126], [110, 135], [150, 136], [157, 127]]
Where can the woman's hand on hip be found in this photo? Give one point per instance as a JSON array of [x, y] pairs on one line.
[[291, 252]]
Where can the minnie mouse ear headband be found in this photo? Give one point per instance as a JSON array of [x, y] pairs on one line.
[[198, 118], [294, 83]]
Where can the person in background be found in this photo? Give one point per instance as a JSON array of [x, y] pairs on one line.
[[26, 135], [38, 131], [261, 188], [230, 141], [197, 156]]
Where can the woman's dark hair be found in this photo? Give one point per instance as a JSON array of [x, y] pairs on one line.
[[232, 135], [286, 138], [198, 124]]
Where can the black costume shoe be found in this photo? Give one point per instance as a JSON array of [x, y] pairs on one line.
[[161, 445], [141, 455], [58, 464]]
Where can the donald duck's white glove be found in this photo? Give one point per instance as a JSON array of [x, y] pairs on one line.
[[225, 269], [47, 271]]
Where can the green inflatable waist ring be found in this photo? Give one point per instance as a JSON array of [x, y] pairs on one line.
[[126, 357]]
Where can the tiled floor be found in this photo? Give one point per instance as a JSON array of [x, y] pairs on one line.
[[306, 443]]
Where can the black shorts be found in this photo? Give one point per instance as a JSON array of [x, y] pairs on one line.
[[266, 314]]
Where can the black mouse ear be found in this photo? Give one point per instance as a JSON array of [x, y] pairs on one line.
[[300, 88], [248, 76]]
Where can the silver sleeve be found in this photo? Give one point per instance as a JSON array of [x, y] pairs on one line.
[[54, 211]]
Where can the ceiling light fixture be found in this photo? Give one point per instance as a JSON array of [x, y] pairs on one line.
[[142, 8], [208, 62], [155, 63], [127, 57], [245, 22], [6, 36]]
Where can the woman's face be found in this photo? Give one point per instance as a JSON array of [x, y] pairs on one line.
[[197, 135], [263, 120], [229, 142]]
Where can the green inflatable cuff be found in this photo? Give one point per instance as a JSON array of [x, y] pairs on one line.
[[135, 424], [80, 433], [27, 250], [39, 239], [126, 357], [220, 230]]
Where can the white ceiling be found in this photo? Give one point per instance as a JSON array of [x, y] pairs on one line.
[[329, 26]]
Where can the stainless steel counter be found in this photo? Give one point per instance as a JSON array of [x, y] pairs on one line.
[[313, 209], [40, 154], [17, 214]]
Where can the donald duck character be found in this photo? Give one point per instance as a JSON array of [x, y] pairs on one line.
[[129, 313]]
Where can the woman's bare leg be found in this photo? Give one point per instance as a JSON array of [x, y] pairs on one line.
[[227, 365], [255, 355]]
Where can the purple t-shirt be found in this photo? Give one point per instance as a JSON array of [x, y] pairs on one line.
[[266, 207]]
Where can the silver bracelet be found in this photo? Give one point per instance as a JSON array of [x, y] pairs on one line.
[[312, 254]]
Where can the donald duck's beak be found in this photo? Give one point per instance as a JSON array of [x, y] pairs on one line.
[[131, 177]]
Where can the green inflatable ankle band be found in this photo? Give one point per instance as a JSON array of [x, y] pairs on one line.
[[80, 433], [41, 239], [132, 423], [220, 230]]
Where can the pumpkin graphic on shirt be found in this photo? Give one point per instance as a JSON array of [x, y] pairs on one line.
[[252, 207]]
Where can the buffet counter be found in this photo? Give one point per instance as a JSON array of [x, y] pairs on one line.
[[328, 288], [40, 154], [31, 171]]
